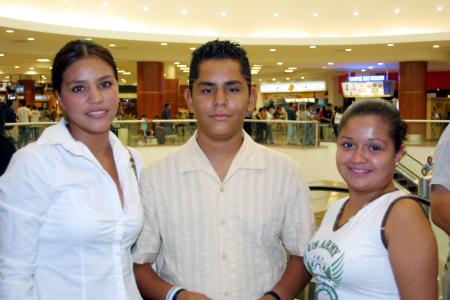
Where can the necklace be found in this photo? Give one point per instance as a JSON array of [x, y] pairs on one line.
[[336, 225]]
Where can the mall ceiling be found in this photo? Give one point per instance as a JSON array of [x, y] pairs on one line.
[[347, 35]]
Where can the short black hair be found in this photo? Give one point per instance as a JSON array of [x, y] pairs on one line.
[[217, 50], [382, 109], [74, 51]]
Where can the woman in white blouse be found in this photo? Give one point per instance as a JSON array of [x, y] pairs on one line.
[[69, 203]]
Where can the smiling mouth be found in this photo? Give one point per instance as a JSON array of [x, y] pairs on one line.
[[219, 117], [97, 113], [359, 171]]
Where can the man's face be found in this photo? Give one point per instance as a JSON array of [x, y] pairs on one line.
[[220, 99]]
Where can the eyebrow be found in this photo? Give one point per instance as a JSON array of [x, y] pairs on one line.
[[83, 81], [227, 83], [370, 140]]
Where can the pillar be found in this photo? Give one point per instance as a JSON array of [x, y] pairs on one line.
[[150, 85], [29, 90], [413, 96]]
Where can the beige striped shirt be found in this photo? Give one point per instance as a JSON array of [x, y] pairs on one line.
[[226, 239]]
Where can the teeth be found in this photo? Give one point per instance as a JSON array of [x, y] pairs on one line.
[[359, 170], [96, 113]]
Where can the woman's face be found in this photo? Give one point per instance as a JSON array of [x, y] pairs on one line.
[[366, 155], [89, 97]]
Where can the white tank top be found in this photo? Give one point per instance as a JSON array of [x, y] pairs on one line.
[[352, 262]]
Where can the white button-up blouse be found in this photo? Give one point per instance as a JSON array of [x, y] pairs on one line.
[[63, 231]]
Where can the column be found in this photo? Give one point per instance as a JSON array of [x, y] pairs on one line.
[[413, 96], [150, 85], [29, 90]]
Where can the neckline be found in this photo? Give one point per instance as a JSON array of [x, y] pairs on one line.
[[336, 227]]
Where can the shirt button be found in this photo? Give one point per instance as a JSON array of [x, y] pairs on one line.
[[221, 189], [222, 222], [224, 257], [226, 294]]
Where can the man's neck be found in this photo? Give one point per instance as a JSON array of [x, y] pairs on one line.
[[220, 153]]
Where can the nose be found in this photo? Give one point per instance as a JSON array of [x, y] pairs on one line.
[[358, 155], [95, 95], [220, 97]]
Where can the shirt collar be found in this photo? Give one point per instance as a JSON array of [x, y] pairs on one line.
[[249, 156], [59, 135]]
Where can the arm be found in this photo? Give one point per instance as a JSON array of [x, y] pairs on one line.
[[440, 207], [24, 201], [412, 251], [294, 280]]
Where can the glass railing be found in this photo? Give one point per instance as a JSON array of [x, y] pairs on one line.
[[276, 132]]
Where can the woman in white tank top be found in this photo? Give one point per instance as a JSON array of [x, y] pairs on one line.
[[377, 243]]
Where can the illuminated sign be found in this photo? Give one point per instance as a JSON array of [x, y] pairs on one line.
[[368, 88], [293, 87], [366, 78]]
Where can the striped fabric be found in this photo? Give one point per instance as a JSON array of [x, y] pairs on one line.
[[224, 239]]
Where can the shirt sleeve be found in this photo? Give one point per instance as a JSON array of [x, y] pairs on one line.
[[149, 241], [299, 222], [24, 201], [441, 168]]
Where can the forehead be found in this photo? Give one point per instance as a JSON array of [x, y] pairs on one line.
[[363, 125], [220, 68], [88, 64]]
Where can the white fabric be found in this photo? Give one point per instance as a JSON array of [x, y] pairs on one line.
[[63, 232], [224, 239], [34, 115], [23, 114], [352, 263]]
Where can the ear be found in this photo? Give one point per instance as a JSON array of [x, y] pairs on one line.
[[188, 99], [61, 104], [252, 100], [399, 155]]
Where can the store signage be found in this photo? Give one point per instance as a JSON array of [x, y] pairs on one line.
[[293, 87], [366, 78], [369, 89]]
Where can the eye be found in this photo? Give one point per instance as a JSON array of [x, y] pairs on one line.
[[347, 145], [206, 90], [77, 88], [234, 90], [375, 148], [105, 84]]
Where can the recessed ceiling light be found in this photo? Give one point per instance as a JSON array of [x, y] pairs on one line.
[[146, 8], [313, 46], [275, 14], [330, 63], [273, 79], [105, 4], [257, 65], [303, 77], [288, 71], [181, 66], [256, 68], [163, 44], [380, 63], [397, 11], [192, 48], [390, 45], [185, 71], [16, 67], [30, 39], [370, 67], [112, 45], [9, 30], [439, 8], [363, 70], [31, 68], [165, 75], [355, 13], [223, 13], [260, 79], [324, 67], [43, 60], [88, 39], [348, 50], [292, 68], [126, 73], [2, 54], [184, 11], [315, 15], [31, 72], [436, 46], [254, 72], [176, 63], [280, 63], [288, 78], [273, 50]]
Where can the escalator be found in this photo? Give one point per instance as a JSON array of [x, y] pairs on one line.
[[407, 175]]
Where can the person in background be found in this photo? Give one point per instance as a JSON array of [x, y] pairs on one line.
[[23, 116], [165, 115], [261, 128], [143, 128], [214, 227], [428, 166], [268, 137], [34, 118], [440, 199], [292, 129], [337, 120], [70, 208], [7, 150], [376, 243]]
